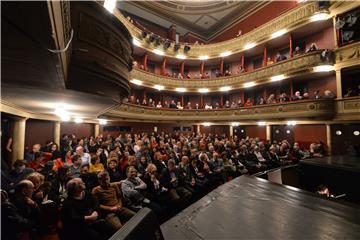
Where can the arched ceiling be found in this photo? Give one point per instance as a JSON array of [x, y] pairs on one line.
[[205, 19]]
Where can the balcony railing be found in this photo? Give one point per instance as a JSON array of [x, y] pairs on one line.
[[291, 20], [290, 67], [300, 109]]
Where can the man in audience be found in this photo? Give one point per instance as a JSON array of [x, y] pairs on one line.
[[80, 215], [31, 155], [20, 171], [85, 157], [109, 196], [297, 96], [74, 170]]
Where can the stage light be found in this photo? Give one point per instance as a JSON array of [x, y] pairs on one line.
[[102, 121], [176, 47], [203, 57], [158, 52], [110, 5], [180, 56], [180, 89], [356, 133], [225, 54], [167, 44], [323, 68], [261, 123], [320, 17], [78, 120], [136, 81], [249, 84], [203, 90], [136, 42], [249, 46], [143, 34], [159, 87], [338, 132], [186, 49], [288, 131], [277, 78], [225, 89], [278, 33]]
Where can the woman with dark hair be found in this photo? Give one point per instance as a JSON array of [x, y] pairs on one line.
[[55, 152], [113, 170]]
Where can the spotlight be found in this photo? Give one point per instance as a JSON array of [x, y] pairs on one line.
[[152, 38], [143, 34], [176, 47], [186, 49], [167, 44]]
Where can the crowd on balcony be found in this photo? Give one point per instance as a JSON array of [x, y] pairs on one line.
[[89, 187], [282, 98], [352, 92], [236, 71]]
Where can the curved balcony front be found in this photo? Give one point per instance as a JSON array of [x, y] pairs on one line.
[[293, 19], [289, 68], [314, 109]]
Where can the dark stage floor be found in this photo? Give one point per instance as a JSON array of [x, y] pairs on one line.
[[341, 161], [253, 208]]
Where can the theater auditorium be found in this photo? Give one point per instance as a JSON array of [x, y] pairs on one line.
[[185, 120]]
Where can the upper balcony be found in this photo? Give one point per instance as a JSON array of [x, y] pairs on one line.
[[299, 65], [296, 18], [314, 109]]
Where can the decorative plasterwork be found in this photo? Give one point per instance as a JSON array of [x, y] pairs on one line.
[[348, 55], [293, 19], [291, 67], [305, 109]]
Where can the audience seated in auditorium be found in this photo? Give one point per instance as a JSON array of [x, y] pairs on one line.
[[248, 103], [297, 51], [297, 96], [280, 57], [312, 47], [271, 99], [269, 61], [261, 101], [329, 94], [159, 105]]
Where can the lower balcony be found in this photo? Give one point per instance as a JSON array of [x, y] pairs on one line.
[[312, 109]]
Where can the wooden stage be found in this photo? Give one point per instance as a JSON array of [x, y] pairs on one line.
[[253, 208]]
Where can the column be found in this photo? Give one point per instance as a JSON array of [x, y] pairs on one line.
[[202, 66], [242, 61], [182, 68], [328, 137], [18, 147], [268, 132], [57, 133], [222, 100], [198, 129], [182, 100], [202, 101], [145, 61], [290, 45], [96, 130], [336, 33], [222, 67], [265, 57], [163, 66], [231, 131], [338, 84]]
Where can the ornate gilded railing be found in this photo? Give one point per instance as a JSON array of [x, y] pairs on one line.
[[293, 19], [348, 109], [299, 109], [348, 55], [291, 67]]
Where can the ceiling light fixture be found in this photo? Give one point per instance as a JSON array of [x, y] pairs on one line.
[[225, 54], [110, 5], [291, 123], [261, 123], [203, 90], [65, 118], [158, 52], [204, 57], [320, 17], [249, 84], [180, 89], [136, 81], [278, 33], [207, 124], [249, 46], [159, 87], [78, 120], [136, 42], [277, 78], [180, 56], [235, 124], [225, 89], [102, 121], [323, 68]]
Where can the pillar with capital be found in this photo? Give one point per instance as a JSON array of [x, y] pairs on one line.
[[18, 144], [338, 84], [96, 130], [268, 133], [231, 130], [57, 133], [328, 137]]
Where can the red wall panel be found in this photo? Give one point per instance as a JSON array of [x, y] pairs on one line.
[[79, 129], [256, 131], [38, 131]]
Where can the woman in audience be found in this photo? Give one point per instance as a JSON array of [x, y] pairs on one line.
[[95, 165], [113, 170]]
